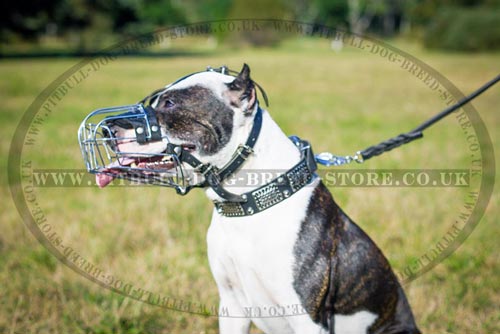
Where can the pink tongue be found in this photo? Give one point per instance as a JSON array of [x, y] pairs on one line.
[[103, 180]]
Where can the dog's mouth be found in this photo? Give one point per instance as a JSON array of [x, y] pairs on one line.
[[141, 167]]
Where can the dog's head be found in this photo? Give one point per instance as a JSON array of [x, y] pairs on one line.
[[203, 111], [207, 114]]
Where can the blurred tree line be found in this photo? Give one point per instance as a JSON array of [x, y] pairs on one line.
[[92, 24]]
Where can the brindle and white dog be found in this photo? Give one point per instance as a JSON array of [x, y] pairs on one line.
[[302, 251]]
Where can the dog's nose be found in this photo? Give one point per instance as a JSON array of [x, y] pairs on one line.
[[106, 132]]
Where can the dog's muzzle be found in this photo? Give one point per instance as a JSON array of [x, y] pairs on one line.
[[126, 142]]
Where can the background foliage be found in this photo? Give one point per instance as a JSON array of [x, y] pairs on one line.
[[468, 25]]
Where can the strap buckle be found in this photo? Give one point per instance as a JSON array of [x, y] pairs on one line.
[[204, 169], [244, 151]]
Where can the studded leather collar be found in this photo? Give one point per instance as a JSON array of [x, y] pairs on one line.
[[277, 190]]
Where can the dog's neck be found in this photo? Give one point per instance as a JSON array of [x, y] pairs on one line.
[[273, 153]]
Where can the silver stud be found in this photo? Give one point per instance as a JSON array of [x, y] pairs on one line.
[[140, 130], [219, 209], [250, 211], [244, 196], [286, 193], [154, 128], [177, 150], [281, 179]]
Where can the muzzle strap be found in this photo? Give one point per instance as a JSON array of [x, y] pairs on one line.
[[245, 150], [154, 126]]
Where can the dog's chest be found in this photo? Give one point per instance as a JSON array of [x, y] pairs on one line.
[[253, 256]]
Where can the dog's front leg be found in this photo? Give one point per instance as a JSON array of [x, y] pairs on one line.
[[231, 317]]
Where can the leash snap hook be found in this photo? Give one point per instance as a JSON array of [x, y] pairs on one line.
[[358, 157], [329, 159]]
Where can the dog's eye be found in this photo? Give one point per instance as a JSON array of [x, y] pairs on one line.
[[169, 103]]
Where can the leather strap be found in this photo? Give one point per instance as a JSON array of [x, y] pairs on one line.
[[213, 175], [245, 150]]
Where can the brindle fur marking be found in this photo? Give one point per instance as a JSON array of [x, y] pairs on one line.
[[197, 116], [340, 270]]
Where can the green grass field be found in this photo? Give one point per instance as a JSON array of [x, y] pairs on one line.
[[155, 240]]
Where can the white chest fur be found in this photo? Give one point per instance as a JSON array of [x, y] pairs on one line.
[[252, 261]]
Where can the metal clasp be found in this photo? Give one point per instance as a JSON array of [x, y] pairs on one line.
[[329, 159], [358, 157], [222, 70], [244, 151], [204, 169]]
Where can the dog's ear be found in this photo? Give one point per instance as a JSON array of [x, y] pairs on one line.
[[242, 91]]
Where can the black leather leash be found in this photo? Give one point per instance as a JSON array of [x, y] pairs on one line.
[[417, 133], [329, 159]]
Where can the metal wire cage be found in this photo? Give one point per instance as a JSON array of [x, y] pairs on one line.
[[131, 155]]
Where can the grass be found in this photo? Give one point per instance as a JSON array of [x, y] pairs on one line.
[[155, 240]]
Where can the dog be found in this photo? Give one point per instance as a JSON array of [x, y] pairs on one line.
[[284, 247]]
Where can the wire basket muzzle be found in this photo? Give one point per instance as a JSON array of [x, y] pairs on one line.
[[126, 142]]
